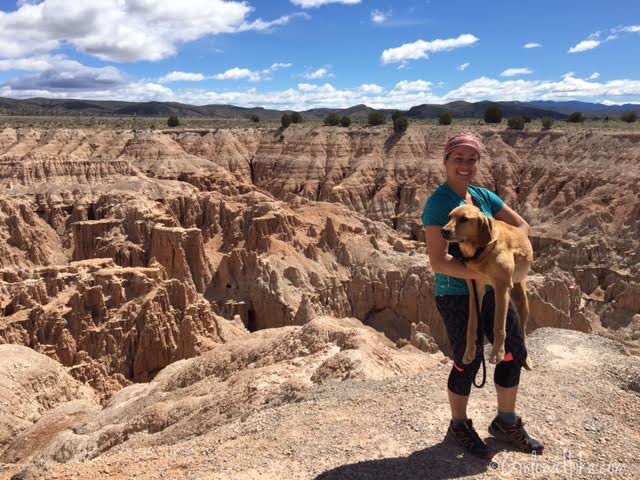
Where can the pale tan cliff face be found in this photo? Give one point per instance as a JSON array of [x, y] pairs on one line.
[[281, 226], [122, 253]]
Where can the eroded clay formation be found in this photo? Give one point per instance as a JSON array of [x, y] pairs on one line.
[[125, 251]]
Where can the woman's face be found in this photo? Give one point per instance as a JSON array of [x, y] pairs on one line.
[[462, 164]]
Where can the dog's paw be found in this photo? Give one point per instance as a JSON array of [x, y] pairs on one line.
[[469, 355], [528, 363], [497, 355]]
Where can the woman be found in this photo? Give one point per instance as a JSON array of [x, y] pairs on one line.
[[461, 162]]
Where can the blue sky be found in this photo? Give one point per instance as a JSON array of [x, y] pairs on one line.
[[320, 53]]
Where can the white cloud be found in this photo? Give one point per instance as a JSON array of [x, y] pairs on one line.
[[133, 92], [404, 95], [594, 41], [307, 87], [310, 87], [404, 86], [370, 88], [236, 73], [594, 76], [64, 75], [317, 74], [277, 66], [31, 64], [122, 31], [584, 45], [260, 25], [378, 16], [630, 29], [464, 66], [569, 88], [265, 74], [512, 72], [181, 77], [420, 48], [319, 3], [532, 45], [290, 99], [610, 103]]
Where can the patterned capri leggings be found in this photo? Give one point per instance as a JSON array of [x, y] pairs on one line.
[[455, 313]]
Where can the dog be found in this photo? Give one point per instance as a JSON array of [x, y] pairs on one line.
[[502, 255]]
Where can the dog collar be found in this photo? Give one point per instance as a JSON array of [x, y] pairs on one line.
[[476, 255]]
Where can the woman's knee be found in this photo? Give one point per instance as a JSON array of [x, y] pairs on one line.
[[507, 372], [461, 377]]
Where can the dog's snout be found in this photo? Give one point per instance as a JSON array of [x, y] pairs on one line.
[[446, 234]]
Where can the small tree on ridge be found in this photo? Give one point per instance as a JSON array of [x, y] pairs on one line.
[[493, 114], [400, 124], [575, 117], [445, 118], [516, 123], [332, 119], [376, 118]]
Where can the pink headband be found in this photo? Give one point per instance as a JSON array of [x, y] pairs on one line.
[[464, 139]]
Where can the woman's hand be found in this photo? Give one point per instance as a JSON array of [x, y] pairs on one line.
[[441, 261]]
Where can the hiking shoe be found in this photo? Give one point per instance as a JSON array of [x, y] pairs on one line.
[[515, 435], [468, 438]]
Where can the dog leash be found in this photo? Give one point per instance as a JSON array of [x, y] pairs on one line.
[[480, 335]]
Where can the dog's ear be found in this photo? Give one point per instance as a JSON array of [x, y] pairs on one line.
[[486, 230]]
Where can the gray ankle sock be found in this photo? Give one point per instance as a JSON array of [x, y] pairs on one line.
[[458, 422], [509, 418]]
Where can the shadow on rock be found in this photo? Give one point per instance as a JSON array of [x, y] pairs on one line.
[[441, 461], [392, 140]]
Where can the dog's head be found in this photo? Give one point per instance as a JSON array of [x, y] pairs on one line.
[[468, 224]]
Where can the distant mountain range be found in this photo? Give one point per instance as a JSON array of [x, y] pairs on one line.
[[535, 109]]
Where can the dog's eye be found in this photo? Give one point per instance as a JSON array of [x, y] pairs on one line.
[[463, 219]]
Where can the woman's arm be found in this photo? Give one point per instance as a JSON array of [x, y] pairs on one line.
[[441, 261], [508, 215]]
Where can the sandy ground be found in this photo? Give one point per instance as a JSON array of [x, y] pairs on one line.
[[582, 401]]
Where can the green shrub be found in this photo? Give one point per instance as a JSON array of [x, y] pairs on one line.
[[493, 114], [527, 118], [376, 118], [173, 121], [285, 120], [332, 119], [400, 124], [345, 121], [629, 117], [547, 123], [396, 114], [255, 118], [445, 118], [296, 118], [516, 123], [575, 117]]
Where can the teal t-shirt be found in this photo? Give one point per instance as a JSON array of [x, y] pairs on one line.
[[436, 213]]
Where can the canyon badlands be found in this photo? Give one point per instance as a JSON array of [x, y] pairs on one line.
[[218, 303]]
